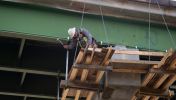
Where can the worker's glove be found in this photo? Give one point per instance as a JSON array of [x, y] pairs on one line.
[[65, 46]]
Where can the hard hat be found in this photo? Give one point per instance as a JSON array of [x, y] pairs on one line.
[[71, 32]]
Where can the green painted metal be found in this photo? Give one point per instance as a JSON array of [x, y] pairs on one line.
[[53, 23]]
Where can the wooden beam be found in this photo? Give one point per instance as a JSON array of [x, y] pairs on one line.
[[79, 85], [145, 53], [133, 52], [160, 71], [99, 75], [134, 62], [64, 94], [124, 70], [120, 70], [88, 60], [149, 76], [74, 71], [93, 66], [73, 74], [162, 78], [155, 92], [107, 93]]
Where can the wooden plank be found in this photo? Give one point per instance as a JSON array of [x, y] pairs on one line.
[[93, 66], [160, 80], [73, 73], [79, 85], [144, 71], [159, 71], [78, 93], [134, 98], [90, 95], [130, 69], [149, 76], [64, 95], [72, 93], [154, 92], [100, 74], [133, 52], [104, 63], [141, 71], [170, 80], [114, 61], [85, 72], [145, 53]]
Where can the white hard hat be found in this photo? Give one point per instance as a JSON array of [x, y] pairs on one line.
[[71, 32]]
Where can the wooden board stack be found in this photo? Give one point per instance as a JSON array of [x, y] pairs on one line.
[[87, 57], [157, 83], [90, 66]]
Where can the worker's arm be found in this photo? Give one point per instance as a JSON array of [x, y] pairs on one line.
[[72, 44], [87, 34]]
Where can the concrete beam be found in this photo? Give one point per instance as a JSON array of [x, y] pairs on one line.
[[27, 95], [131, 5], [21, 70]]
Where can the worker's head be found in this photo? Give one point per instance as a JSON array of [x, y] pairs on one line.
[[72, 32]]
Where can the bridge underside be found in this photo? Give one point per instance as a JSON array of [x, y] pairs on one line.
[[31, 57]]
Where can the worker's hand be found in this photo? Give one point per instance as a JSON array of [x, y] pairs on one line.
[[65, 46], [95, 46]]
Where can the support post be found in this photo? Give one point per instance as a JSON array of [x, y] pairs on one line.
[[67, 58]]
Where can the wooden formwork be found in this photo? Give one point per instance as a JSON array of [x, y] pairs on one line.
[[160, 79], [91, 64], [87, 57]]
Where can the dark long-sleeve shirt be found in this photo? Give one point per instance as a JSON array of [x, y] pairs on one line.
[[85, 33]]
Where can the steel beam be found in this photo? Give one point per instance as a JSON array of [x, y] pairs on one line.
[[47, 31], [28, 95], [22, 70], [25, 98], [23, 78], [21, 48]]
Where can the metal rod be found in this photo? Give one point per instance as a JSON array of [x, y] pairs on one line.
[[67, 58], [58, 91]]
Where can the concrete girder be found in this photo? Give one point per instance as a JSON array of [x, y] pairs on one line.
[[116, 8]]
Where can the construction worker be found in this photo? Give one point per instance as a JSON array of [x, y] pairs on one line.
[[81, 36]]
